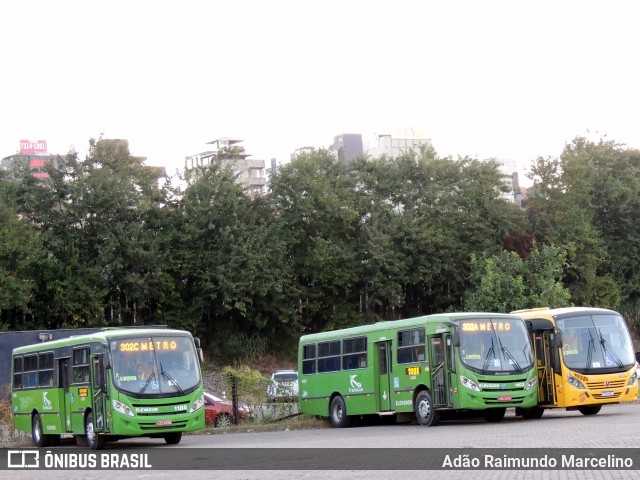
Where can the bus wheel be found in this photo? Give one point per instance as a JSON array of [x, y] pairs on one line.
[[40, 440], [338, 413], [494, 415], [590, 409], [173, 438], [94, 440], [425, 413], [533, 413]]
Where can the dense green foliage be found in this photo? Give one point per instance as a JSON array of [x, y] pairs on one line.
[[101, 242]]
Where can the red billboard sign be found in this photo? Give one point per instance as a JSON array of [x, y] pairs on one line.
[[31, 147]]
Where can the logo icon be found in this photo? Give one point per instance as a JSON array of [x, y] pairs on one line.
[[23, 459], [46, 403], [355, 385]]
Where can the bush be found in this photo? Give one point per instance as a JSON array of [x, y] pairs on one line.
[[251, 385]]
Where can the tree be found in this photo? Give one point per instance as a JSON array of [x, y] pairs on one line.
[[439, 211], [231, 264], [315, 201], [506, 282], [21, 256], [101, 230], [587, 200]]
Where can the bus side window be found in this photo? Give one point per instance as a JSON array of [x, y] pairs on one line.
[[17, 372], [30, 375], [45, 369], [309, 359], [80, 365]]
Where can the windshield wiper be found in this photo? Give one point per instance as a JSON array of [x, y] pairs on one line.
[[486, 358], [169, 379], [507, 353], [604, 343], [590, 350], [146, 384]]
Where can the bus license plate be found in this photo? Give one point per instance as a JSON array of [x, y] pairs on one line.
[[608, 393], [163, 423], [504, 398]]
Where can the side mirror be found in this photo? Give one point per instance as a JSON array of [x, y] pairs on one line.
[[200, 354], [557, 340], [456, 338]]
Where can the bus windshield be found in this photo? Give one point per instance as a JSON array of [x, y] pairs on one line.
[[491, 346], [592, 342], [155, 365]]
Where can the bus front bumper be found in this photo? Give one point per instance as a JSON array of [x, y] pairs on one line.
[[148, 426], [473, 400]]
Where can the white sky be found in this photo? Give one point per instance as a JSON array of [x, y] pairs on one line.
[[507, 78]]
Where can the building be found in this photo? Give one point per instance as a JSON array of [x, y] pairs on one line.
[[32, 153], [394, 146], [509, 169], [300, 151], [38, 159], [348, 147], [228, 152], [37, 163]]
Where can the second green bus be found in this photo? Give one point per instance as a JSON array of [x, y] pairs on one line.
[[425, 366]]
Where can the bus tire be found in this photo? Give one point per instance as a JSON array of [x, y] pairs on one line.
[[338, 413], [94, 439], [173, 438], [494, 415], [590, 409], [533, 413], [425, 413], [40, 440]]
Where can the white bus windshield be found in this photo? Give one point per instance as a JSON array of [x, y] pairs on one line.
[[595, 342], [154, 365], [496, 345]]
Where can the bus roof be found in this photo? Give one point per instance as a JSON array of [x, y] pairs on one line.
[[559, 312], [406, 323], [103, 335]]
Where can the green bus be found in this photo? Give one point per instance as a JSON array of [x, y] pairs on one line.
[[420, 366], [112, 384]]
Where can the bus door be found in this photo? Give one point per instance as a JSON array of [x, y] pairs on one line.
[[441, 369], [65, 402], [544, 346], [383, 375], [99, 397]]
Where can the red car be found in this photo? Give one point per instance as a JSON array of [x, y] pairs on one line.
[[219, 412]]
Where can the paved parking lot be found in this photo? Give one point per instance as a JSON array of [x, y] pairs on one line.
[[616, 426]]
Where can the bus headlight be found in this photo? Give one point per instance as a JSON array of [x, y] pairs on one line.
[[574, 381], [633, 378], [197, 404], [470, 384], [122, 408], [532, 383]]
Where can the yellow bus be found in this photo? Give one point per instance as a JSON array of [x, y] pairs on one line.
[[584, 358]]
